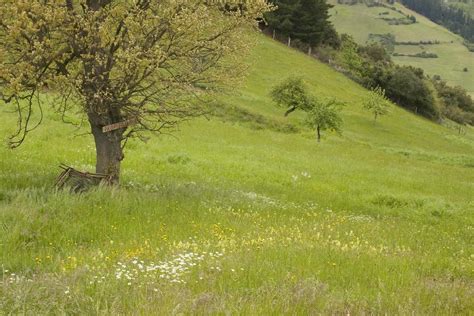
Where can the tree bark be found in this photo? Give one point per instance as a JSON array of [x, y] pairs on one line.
[[310, 50], [289, 41], [109, 153], [318, 131]]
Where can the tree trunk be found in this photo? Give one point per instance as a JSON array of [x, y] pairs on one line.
[[289, 111], [274, 34], [318, 130], [109, 153], [289, 41], [310, 50]]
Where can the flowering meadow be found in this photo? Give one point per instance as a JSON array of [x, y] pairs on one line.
[[242, 217]]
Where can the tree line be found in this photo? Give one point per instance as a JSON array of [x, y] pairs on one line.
[[407, 86], [306, 22]]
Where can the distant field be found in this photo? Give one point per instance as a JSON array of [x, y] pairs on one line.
[[235, 216], [360, 20]]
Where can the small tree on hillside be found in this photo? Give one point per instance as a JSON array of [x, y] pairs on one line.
[[293, 94], [321, 115], [325, 115], [377, 103]]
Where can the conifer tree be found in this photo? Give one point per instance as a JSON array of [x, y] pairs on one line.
[[311, 21], [281, 19]]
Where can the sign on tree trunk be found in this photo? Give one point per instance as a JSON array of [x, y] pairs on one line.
[[118, 125]]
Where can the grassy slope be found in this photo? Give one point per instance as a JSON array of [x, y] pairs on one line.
[[360, 21], [383, 224]]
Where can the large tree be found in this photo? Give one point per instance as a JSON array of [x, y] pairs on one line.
[[141, 62]]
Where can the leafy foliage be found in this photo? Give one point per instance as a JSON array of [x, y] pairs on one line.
[[325, 115], [457, 104], [376, 102], [321, 114], [406, 86], [409, 88], [349, 57], [114, 61], [293, 94]]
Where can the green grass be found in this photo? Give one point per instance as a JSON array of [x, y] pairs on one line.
[[378, 220], [360, 20]]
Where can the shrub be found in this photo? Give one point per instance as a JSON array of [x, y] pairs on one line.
[[406, 86]]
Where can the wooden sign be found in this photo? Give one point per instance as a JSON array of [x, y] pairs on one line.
[[118, 125]]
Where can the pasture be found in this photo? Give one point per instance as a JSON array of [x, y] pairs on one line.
[[244, 213]]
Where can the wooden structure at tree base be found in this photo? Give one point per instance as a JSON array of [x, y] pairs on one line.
[[79, 181]]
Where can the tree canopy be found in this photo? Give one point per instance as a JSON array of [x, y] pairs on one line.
[[325, 115], [376, 102], [144, 62], [293, 94], [321, 114], [410, 89]]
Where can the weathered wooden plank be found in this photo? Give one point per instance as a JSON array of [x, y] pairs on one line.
[[118, 125]]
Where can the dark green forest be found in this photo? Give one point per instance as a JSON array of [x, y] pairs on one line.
[[454, 19]]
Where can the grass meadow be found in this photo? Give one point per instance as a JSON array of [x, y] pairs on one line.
[[244, 213], [360, 21]]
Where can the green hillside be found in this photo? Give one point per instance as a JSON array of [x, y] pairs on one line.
[[360, 21], [242, 214]]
